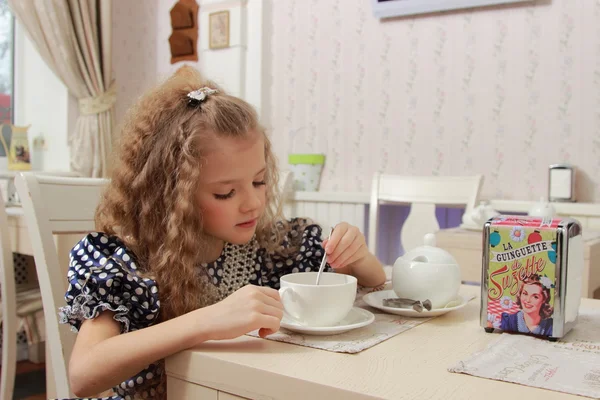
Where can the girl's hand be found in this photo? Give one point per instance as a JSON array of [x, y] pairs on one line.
[[346, 246], [247, 309]]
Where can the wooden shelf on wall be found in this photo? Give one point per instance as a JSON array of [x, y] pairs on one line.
[[184, 37]]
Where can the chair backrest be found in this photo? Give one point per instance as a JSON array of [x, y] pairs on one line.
[[422, 193], [12, 197], [56, 205], [286, 189], [286, 182], [9, 308]]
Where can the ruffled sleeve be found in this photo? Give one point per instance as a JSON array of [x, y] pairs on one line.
[[102, 276], [306, 236]]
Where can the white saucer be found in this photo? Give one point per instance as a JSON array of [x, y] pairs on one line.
[[375, 299], [356, 318], [471, 227]]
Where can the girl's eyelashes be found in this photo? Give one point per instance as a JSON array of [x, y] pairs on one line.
[[224, 196], [232, 192]]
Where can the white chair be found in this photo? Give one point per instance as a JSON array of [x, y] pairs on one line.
[[9, 309], [286, 183], [15, 300], [56, 205], [286, 189], [423, 193]]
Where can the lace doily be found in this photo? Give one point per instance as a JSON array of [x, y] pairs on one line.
[[239, 268]]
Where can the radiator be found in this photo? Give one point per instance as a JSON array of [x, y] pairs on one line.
[[329, 214]]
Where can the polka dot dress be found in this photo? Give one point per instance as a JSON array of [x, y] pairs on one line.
[[102, 276]]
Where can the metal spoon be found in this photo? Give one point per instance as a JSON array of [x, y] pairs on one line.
[[324, 261]]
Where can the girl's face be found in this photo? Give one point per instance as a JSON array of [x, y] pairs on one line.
[[532, 299], [231, 195]]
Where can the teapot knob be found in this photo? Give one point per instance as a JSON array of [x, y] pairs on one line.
[[429, 240], [543, 202]]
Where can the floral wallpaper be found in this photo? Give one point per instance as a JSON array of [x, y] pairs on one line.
[[134, 50], [141, 48], [504, 91]]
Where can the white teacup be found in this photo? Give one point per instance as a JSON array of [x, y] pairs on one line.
[[479, 215], [317, 305]]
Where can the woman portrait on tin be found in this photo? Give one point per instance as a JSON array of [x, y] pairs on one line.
[[536, 312]]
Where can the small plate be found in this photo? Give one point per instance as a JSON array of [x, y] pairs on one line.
[[356, 318], [375, 299]]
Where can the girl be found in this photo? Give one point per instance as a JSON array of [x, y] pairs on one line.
[[188, 221]]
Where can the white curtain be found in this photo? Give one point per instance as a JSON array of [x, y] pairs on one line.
[[74, 38]]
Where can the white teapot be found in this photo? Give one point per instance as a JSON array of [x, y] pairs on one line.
[[542, 209], [427, 273], [479, 215]]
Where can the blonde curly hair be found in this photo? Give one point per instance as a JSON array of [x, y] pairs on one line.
[[150, 203]]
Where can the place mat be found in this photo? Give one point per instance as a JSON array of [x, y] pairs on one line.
[[570, 365], [382, 328]]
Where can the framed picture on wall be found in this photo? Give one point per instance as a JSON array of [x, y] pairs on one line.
[[398, 8], [218, 30]]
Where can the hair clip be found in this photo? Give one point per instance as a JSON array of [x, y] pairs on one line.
[[198, 96]]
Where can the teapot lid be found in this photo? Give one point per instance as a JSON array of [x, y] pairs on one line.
[[429, 253], [543, 202]]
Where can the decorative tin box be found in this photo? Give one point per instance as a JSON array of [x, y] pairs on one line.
[[531, 275]]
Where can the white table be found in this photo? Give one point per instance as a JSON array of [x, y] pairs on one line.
[[411, 365]]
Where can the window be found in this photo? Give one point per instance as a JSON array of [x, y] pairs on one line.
[[6, 69]]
